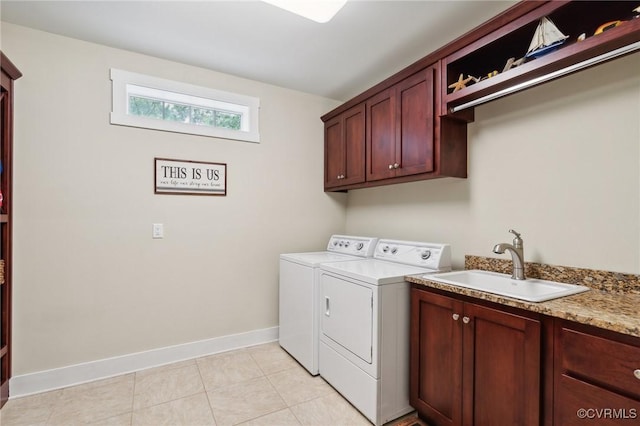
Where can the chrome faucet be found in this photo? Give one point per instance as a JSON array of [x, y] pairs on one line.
[[517, 255]]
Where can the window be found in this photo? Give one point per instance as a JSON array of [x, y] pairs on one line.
[[155, 103]]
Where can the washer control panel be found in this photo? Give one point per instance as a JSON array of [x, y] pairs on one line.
[[356, 246], [428, 255]]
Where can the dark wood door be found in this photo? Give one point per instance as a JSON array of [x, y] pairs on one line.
[[333, 152], [436, 357], [381, 135], [501, 368], [354, 145], [415, 137], [344, 138], [8, 73]]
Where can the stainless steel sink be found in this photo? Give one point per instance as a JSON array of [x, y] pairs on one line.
[[531, 290]]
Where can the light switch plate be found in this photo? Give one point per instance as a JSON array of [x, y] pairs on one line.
[[158, 230]]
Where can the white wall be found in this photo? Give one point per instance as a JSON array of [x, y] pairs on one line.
[[89, 281], [559, 163]]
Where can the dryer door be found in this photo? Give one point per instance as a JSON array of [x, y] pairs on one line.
[[347, 315]]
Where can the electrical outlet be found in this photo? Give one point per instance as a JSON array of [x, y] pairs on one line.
[[158, 230]]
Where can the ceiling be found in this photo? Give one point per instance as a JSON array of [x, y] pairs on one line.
[[366, 42]]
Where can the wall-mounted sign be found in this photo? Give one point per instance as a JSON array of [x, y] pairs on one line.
[[190, 177]]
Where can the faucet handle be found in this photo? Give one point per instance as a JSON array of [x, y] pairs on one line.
[[517, 241]]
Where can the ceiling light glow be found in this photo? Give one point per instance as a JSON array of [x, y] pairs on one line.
[[317, 10]]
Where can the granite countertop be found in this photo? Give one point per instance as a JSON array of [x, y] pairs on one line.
[[612, 303]]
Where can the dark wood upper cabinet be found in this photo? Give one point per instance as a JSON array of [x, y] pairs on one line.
[[416, 124], [381, 135], [401, 128], [344, 148], [415, 134], [403, 140]]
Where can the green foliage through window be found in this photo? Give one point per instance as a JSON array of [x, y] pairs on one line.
[[184, 113]]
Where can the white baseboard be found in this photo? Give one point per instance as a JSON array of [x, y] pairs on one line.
[[57, 378]]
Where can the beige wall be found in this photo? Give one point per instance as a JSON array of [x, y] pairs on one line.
[[89, 281], [559, 163]]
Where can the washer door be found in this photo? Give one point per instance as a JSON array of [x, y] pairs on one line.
[[347, 315]]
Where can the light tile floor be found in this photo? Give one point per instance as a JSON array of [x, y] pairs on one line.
[[260, 385]]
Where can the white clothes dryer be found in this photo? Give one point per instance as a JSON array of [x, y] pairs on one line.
[[364, 326], [299, 291]]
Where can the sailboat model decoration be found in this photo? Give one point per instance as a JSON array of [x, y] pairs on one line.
[[546, 39]]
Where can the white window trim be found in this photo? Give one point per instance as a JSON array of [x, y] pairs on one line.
[[120, 79]]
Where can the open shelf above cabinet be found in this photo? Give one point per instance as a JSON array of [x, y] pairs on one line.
[[491, 52]]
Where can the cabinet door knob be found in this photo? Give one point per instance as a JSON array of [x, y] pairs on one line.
[[465, 320], [637, 373], [396, 165], [455, 317], [390, 166]]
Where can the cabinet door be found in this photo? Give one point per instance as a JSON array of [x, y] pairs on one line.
[[436, 357], [344, 145], [415, 132], [354, 142], [381, 134], [501, 368], [333, 152]]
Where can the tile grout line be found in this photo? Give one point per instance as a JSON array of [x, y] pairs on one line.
[[133, 396], [206, 393], [176, 398]]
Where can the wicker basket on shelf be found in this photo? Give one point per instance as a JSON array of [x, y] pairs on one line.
[[1, 271]]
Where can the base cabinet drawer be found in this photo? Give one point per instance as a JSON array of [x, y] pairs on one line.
[[580, 403], [611, 364], [596, 376]]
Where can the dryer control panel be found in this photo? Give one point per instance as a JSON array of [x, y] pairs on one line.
[[356, 246], [427, 255]]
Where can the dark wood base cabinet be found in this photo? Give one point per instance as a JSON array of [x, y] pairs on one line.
[[473, 364], [597, 376], [478, 363]]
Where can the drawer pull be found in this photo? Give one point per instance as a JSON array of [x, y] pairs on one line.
[[637, 373], [455, 317]]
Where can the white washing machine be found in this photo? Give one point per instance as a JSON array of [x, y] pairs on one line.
[[364, 326], [299, 292]]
